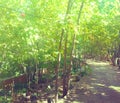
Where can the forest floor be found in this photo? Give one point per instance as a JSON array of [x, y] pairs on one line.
[[101, 86]]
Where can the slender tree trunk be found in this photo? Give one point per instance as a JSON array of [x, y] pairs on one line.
[[65, 52], [71, 57], [72, 49], [65, 67], [81, 7], [58, 66]]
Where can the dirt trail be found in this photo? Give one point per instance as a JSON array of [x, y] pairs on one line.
[[102, 86]]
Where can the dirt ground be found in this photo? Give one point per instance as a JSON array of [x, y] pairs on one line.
[[102, 86]]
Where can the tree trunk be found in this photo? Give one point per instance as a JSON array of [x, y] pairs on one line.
[[65, 52], [72, 49], [58, 66], [65, 67], [70, 65]]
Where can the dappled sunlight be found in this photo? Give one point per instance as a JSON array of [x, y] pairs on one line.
[[115, 88], [118, 72], [98, 63], [95, 92], [93, 79], [100, 87], [98, 84], [103, 94], [77, 102], [87, 93], [91, 87]]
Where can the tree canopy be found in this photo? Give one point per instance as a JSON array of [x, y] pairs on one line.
[[30, 31]]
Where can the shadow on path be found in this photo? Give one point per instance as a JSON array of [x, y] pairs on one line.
[[102, 86]]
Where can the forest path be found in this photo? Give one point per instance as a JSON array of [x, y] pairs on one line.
[[102, 86]]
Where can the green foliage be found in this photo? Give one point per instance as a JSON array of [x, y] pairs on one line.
[[30, 31]]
